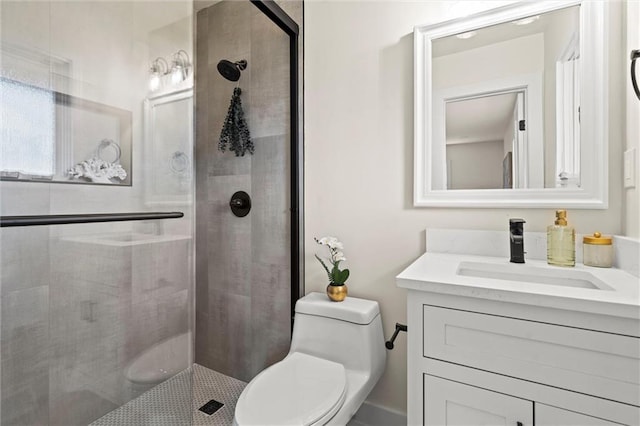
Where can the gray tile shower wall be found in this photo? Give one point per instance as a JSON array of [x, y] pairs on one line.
[[243, 264]]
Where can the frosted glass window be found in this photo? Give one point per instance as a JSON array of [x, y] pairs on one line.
[[28, 128]]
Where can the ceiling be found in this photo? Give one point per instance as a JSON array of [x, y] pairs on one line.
[[481, 119], [506, 31]]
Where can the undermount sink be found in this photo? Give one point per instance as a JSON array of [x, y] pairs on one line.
[[532, 274]]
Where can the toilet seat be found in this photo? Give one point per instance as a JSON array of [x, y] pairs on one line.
[[299, 390]]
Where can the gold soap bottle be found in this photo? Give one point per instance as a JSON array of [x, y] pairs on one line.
[[561, 241]]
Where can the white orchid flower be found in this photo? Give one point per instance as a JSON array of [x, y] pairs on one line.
[[331, 242], [334, 243], [323, 241], [338, 257]]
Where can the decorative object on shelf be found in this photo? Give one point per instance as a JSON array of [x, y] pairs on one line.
[[337, 293], [179, 70], [336, 290], [235, 131], [597, 250], [97, 169]]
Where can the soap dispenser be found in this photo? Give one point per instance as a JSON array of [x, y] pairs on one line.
[[561, 242]]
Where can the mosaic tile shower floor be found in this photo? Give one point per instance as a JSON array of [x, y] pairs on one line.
[[171, 402]]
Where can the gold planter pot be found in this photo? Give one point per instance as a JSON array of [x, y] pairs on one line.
[[337, 293]]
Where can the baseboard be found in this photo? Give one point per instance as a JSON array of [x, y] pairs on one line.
[[375, 415]]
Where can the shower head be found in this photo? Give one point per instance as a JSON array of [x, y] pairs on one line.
[[231, 70]]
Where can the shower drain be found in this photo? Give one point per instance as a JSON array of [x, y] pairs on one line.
[[211, 407]]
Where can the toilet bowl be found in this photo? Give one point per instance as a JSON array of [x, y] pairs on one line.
[[158, 363], [337, 355]]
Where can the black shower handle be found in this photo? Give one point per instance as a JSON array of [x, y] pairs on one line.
[[635, 54], [240, 203], [237, 202]]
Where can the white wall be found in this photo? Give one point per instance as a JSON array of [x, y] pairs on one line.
[[476, 165], [632, 195], [509, 58], [359, 155]]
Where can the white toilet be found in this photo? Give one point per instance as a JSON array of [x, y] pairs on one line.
[[337, 355]]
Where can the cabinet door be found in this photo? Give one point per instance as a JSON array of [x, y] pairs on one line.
[[448, 403], [552, 416]]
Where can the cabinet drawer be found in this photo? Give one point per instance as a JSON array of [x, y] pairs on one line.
[[552, 416], [448, 403], [595, 363]]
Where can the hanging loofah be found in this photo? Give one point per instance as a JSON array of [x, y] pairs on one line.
[[235, 132]]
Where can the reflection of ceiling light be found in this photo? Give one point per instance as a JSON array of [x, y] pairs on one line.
[[526, 21], [466, 35]]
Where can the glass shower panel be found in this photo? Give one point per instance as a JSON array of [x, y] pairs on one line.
[[94, 315]]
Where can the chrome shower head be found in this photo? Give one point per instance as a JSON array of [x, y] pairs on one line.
[[231, 70]]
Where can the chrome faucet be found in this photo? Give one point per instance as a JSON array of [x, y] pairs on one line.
[[516, 237]]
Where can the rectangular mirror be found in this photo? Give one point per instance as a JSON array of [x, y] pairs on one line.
[[168, 150], [510, 108]]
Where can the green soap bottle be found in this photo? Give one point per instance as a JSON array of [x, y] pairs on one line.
[[561, 242]]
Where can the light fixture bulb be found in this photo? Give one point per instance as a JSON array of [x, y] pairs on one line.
[[177, 74], [154, 81], [526, 21], [466, 35]]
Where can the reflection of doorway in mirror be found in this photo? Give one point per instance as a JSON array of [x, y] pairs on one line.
[[520, 143], [490, 111], [480, 132], [568, 116]]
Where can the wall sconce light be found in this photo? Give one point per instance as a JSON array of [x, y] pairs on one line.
[[159, 68], [179, 66]]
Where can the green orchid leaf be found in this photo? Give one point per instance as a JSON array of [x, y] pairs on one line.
[[324, 266]]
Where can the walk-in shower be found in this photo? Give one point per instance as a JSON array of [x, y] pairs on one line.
[[111, 287]]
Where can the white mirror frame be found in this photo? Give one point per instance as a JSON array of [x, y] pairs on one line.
[[593, 193], [151, 145]]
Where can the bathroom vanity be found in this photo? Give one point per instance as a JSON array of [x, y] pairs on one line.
[[491, 342]]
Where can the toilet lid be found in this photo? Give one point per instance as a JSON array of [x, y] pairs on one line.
[[299, 390]]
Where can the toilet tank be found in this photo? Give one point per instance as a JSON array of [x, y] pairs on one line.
[[348, 332]]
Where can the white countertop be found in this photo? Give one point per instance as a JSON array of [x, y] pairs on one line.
[[437, 272]]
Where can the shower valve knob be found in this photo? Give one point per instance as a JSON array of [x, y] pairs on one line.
[[240, 204]]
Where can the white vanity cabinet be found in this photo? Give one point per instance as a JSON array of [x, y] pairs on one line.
[[455, 404], [449, 403], [476, 361]]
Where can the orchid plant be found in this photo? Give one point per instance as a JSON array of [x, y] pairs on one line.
[[336, 276]]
